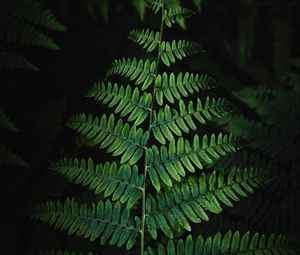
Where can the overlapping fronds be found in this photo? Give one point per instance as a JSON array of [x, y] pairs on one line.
[[178, 50], [117, 137], [192, 201], [7, 157], [171, 162], [102, 220], [176, 14], [20, 22], [233, 243], [146, 38], [125, 100], [123, 183], [30, 11], [16, 32], [170, 86], [65, 252], [139, 70], [168, 121], [6, 123]]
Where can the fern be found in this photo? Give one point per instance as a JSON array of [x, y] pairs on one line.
[[229, 243], [150, 151], [19, 23]]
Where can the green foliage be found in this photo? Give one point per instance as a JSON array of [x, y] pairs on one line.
[[20, 22], [229, 243], [191, 201], [273, 137], [150, 187], [103, 220], [123, 183], [59, 252]]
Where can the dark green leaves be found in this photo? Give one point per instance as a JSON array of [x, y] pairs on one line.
[[230, 243], [172, 87], [123, 183], [171, 162], [145, 37], [154, 5], [192, 201], [143, 72], [102, 220], [169, 52], [125, 100], [176, 14], [168, 121], [118, 138], [60, 252]]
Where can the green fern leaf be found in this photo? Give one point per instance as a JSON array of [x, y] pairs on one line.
[[30, 11], [171, 162], [118, 138], [6, 123], [139, 70], [170, 86], [178, 50], [65, 252], [168, 121], [146, 38], [123, 183], [192, 201], [154, 5], [176, 14], [126, 101], [16, 32], [7, 157], [232, 243], [102, 220], [140, 7]]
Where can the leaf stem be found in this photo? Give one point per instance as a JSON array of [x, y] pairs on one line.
[[142, 244]]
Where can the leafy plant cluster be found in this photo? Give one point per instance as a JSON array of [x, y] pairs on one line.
[[152, 188], [22, 22]]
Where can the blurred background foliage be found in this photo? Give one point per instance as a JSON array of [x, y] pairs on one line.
[[252, 49]]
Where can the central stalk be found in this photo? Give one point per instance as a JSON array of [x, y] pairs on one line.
[[142, 247]]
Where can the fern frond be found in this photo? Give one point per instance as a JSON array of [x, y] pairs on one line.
[[170, 86], [168, 121], [6, 123], [268, 141], [146, 38], [7, 157], [15, 32], [126, 101], [233, 243], [31, 11], [154, 5], [139, 70], [60, 252], [117, 137], [176, 14], [192, 200], [12, 60], [123, 183], [102, 220], [171, 162], [178, 50]]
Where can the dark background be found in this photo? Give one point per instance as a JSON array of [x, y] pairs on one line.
[[40, 102]]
